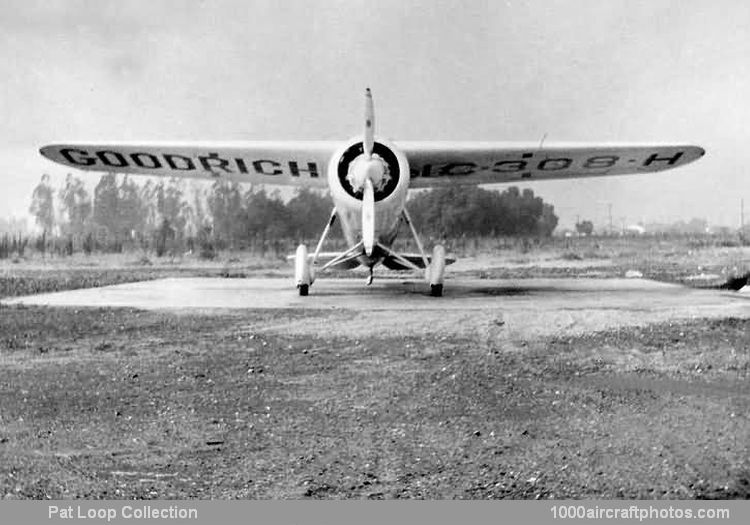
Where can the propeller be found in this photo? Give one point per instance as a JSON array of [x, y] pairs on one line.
[[368, 171], [368, 217], [369, 136]]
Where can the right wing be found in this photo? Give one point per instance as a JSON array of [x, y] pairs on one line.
[[441, 163], [284, 163]]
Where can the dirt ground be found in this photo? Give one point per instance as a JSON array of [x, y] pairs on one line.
[[332, 403]]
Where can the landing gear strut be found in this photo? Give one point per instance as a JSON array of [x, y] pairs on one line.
[[304, 268]]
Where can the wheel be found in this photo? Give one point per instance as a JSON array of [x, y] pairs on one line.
[[302, 270], [437, 271]]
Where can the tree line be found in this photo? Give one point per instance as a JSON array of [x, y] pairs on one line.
[[173, 216]]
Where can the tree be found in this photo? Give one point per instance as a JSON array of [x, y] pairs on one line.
[[75, 207], [454, 211], [225, 207], [199, 218], [172, 207], [585, 227], [308, 213], [264, 217], [175, 213], [42, 206], [148, 196], [130, 210], [165, 237], [106, 203], [547, 223]]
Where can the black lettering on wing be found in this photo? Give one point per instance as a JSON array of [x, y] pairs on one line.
[[267, 167], [669, 160], [601, 162], [312, 169], [151, 162], [79, 157], [241, 165], [113, 159], [213, 161], [509, 166], [457, 169], [555, 164], [426, 171], [179, 162]]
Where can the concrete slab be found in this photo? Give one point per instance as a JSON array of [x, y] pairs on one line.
[[519, 308], [388, 294]]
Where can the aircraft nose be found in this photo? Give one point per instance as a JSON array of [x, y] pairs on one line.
[[364, 170]]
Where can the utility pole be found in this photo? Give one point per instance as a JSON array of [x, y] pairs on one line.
[[742, 214], [609, 207]]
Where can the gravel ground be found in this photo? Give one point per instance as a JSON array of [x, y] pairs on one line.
[[108, 403]]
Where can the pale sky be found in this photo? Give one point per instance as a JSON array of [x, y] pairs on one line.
[[589, 71]]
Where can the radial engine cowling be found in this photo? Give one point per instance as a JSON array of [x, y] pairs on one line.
[[388, 170]]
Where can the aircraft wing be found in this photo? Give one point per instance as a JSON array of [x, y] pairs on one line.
[[440, 163], [431, 163], [284, 163]]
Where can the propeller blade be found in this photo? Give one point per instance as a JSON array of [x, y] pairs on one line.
[[369, 137], [368, 217]]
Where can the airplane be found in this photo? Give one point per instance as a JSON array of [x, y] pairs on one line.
[[368, 178]]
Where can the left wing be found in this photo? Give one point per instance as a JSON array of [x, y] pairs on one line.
[[439, 163], [285, 163]]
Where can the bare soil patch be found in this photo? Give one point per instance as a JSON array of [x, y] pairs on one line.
[[128, 404]]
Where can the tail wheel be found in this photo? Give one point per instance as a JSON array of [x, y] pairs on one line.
[[436, 290], [304, 289]]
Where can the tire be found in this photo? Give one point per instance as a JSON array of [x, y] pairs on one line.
[[304, 289], [436, 290]]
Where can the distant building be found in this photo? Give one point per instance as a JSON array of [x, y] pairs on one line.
[[634, 229]]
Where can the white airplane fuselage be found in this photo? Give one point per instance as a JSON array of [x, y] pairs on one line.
[[390, 195]]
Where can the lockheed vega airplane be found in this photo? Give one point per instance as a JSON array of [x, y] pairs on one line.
[[369, 177]]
